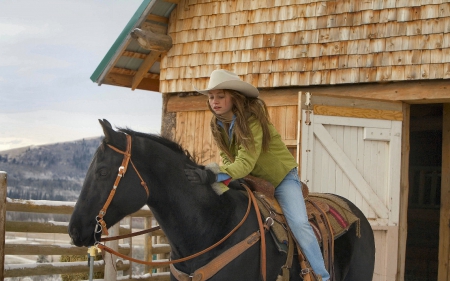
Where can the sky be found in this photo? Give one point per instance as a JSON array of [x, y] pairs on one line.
[[48, 51]]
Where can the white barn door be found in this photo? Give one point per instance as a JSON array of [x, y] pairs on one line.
[[353, 148]]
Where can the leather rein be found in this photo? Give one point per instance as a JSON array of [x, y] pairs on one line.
[[101, 225]]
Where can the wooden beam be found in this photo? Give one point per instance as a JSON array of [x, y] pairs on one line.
[[144, 68], [290, 142], [44, 227], [434, 91], [358, 112], [32, 269], [299, 130], [36, 227], [318, 99], [412, 92], [152, 41], [126, 71], [136, 55], [158, 19], [126, 80], [444, 229], [198, 102], [52, 249], [61, 207], [404, 193], [19, 205], [154, 27]]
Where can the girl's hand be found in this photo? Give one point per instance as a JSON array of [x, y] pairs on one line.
[[200, 176]]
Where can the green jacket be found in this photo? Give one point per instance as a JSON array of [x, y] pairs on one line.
[[272, 165]]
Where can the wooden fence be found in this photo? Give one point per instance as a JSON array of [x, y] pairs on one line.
[[154, 249]]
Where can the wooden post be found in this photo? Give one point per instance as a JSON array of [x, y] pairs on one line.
[[299, 130], [110, 260], [444, 228], [148, 245], [3, 190], [129, 241], [404, 192]]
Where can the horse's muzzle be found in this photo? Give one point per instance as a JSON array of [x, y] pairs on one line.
[[78, 239]]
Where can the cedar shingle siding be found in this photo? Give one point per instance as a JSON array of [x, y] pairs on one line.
[[282, 43]]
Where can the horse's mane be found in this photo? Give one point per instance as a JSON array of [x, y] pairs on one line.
[[174, 146]]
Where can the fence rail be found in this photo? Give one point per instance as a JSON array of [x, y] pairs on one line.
[[152, 244]]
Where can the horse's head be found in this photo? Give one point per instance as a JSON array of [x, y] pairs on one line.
[[157, 162], [102, 175]]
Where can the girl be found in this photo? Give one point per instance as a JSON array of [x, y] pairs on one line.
[[250, 144]]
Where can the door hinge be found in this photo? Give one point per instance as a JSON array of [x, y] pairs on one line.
[[308, 111]]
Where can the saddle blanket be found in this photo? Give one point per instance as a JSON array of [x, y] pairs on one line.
[[337, 210]]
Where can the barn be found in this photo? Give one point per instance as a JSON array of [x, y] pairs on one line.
[[359, 91]]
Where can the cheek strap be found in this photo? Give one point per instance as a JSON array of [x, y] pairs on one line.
[[122, 170]]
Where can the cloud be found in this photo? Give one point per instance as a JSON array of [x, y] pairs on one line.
[[12, 33], [48, 51]]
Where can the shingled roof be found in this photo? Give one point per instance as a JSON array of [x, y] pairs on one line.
[[126, 63]]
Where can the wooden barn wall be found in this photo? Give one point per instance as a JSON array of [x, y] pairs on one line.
[[194, 134], [274, 43]]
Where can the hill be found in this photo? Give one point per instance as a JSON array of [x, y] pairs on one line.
[[48, 172]]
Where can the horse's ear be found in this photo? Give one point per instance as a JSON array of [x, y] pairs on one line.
[[105, 122], [107, 130]]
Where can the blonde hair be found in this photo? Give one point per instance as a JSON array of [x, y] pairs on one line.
[[243, 108]]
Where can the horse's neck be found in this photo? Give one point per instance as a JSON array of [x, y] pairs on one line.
[[191, 216], [192, 225]]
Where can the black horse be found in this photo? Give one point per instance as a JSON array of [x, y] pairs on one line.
[[193, 217]]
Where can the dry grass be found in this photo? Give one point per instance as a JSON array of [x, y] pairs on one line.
[[79, 276]]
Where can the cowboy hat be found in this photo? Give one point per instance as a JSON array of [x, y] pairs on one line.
[[222, 79]]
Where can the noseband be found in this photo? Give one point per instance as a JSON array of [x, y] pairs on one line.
[[101, 224]]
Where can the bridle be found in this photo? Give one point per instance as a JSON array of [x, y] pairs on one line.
[[101, 224]]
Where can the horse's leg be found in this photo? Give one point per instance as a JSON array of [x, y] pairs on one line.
[[362, 254], [343, 248]]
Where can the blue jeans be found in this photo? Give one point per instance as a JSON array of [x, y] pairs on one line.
[[289, 195]]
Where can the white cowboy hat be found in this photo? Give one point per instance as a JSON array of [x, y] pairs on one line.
[[224, 79]]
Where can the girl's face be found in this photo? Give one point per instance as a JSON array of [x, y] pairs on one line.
[[220, 102]]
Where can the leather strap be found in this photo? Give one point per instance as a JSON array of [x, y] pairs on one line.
[[104, 239], [210, 269], [325, 239], [305, 270], [109, 250], [290, 257], [263, 237], [122, 170], [328, 239]]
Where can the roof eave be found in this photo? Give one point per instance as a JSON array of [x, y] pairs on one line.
[[121, 42]]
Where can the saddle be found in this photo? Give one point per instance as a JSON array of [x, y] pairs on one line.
[[329, 216]]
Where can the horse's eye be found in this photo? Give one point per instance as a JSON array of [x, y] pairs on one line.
[[102, 172]]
